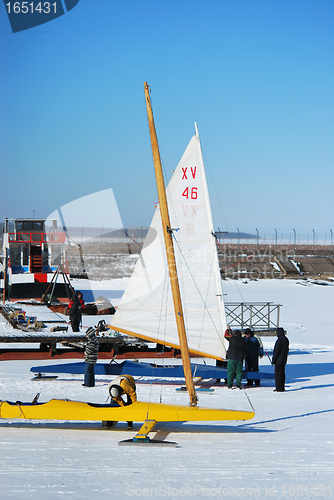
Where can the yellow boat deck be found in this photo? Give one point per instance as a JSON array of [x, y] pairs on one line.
[[61, 409]]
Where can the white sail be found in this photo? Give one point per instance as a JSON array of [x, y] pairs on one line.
[[146, 309]]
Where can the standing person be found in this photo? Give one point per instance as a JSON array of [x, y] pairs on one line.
[[76, 305], [280, 357], [91, 355], [235, 355], [253, 352]]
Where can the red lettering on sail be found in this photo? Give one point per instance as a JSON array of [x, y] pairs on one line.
[[193, 193], [186, 193], [186, 212], [184, 171], [193, 172], [189, 229]]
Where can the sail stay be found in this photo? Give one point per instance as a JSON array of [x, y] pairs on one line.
[[146, 309]]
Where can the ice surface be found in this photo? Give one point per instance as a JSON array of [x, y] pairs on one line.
[[286, 451]]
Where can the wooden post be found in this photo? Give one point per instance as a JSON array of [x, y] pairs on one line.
[[170, 252], [49, 286]]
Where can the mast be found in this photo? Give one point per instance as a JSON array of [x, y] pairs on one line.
[[168, 238]]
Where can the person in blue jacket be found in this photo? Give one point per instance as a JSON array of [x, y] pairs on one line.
[[280, 357], [254, 351]]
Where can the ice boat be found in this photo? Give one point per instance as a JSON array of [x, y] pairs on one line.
[[174, 297]]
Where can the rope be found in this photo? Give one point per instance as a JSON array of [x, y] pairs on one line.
[[206, 298], [199, 293], [17, 403], [269, 359], [249, 401], [163, 305], [163, 301], [128, 236], [239, 290], [213, 185]]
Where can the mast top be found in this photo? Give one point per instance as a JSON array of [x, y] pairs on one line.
[[196, 130]]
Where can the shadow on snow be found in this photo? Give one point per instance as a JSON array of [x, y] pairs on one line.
[[308, 370]]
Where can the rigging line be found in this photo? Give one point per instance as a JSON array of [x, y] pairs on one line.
[[269, 359], [207, 168], [224, 288], [207, 293], [221, 339], [128, 236], [236, 284], [249, 401], [163, 301], [16, 206]]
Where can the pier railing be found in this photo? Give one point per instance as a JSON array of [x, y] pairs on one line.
[[34, 237], [256, 315]]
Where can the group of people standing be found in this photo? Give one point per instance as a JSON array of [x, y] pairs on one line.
[[250, 349], [247, 347]]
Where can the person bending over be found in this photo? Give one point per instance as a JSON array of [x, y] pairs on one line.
[[123, 385]]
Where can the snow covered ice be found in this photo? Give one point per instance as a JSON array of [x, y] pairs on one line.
[[286, 451]]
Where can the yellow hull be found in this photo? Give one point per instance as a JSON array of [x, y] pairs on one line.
[[58, 409]]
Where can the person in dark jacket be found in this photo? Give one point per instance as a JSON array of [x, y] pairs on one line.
[[75, 311], [91, 355], [235, 355], [253, 352], [280, 357]]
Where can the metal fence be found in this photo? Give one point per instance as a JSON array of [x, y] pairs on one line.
[[309, 237], [255, 315]]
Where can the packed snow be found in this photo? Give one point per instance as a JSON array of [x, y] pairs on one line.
[[286, 451]]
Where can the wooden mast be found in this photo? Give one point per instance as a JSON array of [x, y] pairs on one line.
[[168, 237]]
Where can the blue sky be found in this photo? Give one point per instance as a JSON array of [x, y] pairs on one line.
[[256, 75]]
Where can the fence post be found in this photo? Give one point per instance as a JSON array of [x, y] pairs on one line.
[[251, 316], [242, 316], [278, 314]]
